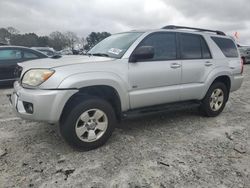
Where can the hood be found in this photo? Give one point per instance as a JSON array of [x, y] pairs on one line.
[[63, 61]]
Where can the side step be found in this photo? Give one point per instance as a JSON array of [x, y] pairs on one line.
[[160, 108]]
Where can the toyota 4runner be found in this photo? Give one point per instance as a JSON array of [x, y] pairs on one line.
[[127, 73]]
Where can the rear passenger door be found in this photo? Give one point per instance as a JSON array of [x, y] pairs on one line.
[[197, 63]]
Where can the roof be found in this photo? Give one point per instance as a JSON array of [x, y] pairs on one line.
[[11, 46], [42, 48], [175, 27], [191, 30]]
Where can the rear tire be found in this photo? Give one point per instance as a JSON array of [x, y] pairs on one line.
[[88, 124], [215, 100]]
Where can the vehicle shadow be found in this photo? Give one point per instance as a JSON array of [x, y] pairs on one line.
[[51, 133], [159, 119]]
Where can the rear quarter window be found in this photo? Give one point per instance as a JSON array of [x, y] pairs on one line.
[[194, 47], [29, 55], [227, 46]]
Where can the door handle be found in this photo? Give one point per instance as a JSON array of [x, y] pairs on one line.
[[208, 63], [175, 65]]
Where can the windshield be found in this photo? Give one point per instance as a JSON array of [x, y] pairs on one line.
[[116, 45]]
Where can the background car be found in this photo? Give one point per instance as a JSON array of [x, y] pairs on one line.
[[66, 52], [2, 44], [245, 53], [10, 56]]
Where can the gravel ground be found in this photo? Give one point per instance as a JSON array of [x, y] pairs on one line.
[[174, 149]]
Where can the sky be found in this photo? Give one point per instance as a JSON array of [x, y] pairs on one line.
[[84, 16]]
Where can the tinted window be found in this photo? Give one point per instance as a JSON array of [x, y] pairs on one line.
[[190, 46], [10, 54], [164, 45], [47, 52], [227, 46], [205, 50], [29, 55]]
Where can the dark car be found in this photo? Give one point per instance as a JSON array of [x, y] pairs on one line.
[[10, 56], [2, 44]]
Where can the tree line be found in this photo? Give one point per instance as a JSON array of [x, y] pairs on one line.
[[57, 40]]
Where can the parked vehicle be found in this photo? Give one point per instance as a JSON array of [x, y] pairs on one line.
[[10, 56], [82, 52], [126, 74], [245, 53], [75, 52], [50, 52]]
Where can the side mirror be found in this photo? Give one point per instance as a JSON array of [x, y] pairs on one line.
[[142, 53]]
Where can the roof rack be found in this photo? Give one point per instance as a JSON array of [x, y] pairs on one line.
[[193, 28]]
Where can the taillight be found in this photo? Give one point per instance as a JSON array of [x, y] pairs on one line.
[[242, 64]]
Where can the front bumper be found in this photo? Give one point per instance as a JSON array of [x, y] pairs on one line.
[[47, 105]]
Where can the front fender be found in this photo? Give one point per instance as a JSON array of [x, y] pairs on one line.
[[82, 80]]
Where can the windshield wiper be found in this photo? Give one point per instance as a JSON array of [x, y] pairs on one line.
[[99, 54]]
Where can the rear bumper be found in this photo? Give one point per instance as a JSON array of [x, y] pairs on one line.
[[47, 105], [236, 82]]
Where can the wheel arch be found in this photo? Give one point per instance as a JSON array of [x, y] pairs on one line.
[[224, 78], [106, 92]]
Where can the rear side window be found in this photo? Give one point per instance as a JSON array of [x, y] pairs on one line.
[[10, 54], [164, 45], [227, 46], [194, 47], [29, 55]]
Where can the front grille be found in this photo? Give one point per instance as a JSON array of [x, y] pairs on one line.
[[17, 72]]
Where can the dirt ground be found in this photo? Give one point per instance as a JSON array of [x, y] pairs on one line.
[[174, 149]]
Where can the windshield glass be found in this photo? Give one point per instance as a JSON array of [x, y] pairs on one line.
[[115, 45]]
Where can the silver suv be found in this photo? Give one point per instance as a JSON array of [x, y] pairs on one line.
[[128, 73]]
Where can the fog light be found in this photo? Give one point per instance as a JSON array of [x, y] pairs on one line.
[[28, 107]]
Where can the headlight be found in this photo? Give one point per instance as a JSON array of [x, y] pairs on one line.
[[36, 77]]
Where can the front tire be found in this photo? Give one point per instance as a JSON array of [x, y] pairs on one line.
[[88, 124], [215, 100]]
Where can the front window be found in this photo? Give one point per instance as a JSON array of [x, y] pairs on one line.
[[10, 54], [164, 44], [116, 45]]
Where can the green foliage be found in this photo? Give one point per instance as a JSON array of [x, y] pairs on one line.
[[4, 35], [28, 39], [94, 38], [56, 40]]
